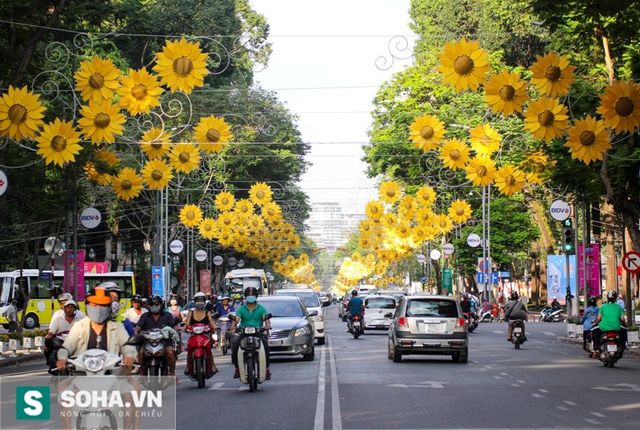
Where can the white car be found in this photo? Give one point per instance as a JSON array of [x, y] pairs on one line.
[[310, 299], [378, 312]]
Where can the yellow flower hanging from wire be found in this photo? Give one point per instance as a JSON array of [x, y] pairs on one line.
[[181, 65], [552, 74], [443, 224], [208, 228], [480, 170], [97, 80], [390, 192], [184, 157], [260, 193], [463, 64], [225, 201], [588, 139], [546, 118], [459, 211], [156, 174], [426, 196], [155, 143], [21, 113], [271, 211], [127, 184], [374, 209], [191, 215], [59, 142], [509, 179], [620, 106], [101, 121], [506, 92], [426, 132], [140, 92], [485, 140], [454, 153], [212, 134]]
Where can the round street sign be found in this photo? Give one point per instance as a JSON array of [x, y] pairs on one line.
[[631, 262], [217, 260], [231, 261], [560, 210], [435, 254], [240, 264], [4, 183], [176, 246], [448, 248], [473, 240], [90, 218], [201, 255], [421, 258]]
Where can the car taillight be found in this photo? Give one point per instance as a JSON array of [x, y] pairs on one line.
[[461, 322], [403, 322]]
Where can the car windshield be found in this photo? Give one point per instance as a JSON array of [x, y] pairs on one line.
[[379, 303], [288, 309], [432, 308], [310, 299]]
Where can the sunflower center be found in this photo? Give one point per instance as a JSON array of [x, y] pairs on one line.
[[139, 91], [507, 93], [271, 212], [227, 221], [58, 143], [191, 215], [460, 211], [624, 107], [17, 114], [481, 171], [96, 81], [127, 184], [184, 157], [546, 118], [408, 206], [443, 224], [102, 120], [510, 180], [213, 135], [374, 209], [182, 66], [455, 154], [587, 138], [156, 175], [156, 145], [553, 73], [391, 193], [427, 132], [260, 194], [207, 227], [463, 65], [225, 201]]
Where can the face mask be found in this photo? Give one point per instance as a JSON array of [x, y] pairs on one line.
[[99, 314], [115, 308], [154, 309], [173, 303], [199, 305], [251, 299]]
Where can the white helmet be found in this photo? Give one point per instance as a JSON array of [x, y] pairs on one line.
[[199, 295]]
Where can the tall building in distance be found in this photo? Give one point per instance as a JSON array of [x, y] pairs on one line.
[[329, 227]]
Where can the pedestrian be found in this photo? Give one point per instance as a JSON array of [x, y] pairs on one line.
[[12, 316], [621, 301]]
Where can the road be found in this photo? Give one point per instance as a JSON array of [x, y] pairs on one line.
[[352, 385]]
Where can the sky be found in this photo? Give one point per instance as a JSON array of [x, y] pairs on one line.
[[329, 59]]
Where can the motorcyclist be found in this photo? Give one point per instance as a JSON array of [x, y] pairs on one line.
[[61, 327], [555, 305], [62, 300], [514, 310], [355, 306], [587, 320], [225, 307], [199, 315], [251, 314], [136, 310], [610, 318]]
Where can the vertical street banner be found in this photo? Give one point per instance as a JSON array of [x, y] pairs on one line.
[[557, 277], [157, 280], [205, 281], [592, 259], [447, 280], [71, 264]]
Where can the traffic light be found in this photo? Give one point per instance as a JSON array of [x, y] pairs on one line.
[[568, 236]]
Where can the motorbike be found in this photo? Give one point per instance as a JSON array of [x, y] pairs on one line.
[[610, 348], [252, 358], [517, 334], [486, 316], [155, 361], [357, 326], [224, 335], [199, 350], [471, 321], [547, 314]]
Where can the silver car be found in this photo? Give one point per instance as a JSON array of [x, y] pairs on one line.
[[310, 300], [291, 326], [428, 325]]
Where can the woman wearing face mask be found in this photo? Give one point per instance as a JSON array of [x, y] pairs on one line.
[[198, 315], [175, 310]]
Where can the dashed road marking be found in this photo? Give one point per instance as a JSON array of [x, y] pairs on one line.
[[570, 403], [537, 395], [562, 408], [590, 421], [598, 414]]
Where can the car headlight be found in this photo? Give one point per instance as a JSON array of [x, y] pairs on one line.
[[94, 363], [318, 318], [302, 331]]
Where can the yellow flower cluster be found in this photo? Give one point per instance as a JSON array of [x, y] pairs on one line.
[[299, 270]]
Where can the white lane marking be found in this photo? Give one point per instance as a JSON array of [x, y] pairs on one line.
[[570, 403], [562, 408], [598, 414], [536, 395], [520, 381], [497, 377], [549, 333], [590, 421], [542, 390], [319, 419], [498, 332], [335, 396], [218, 387]]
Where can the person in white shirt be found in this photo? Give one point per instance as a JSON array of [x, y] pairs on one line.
[[136, 310], [62, 300], [61, 326]]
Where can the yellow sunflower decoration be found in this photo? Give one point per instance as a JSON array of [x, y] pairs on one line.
[[98, 171], [459, 211], [454, 153], [426, 132], [225, 201], [443, 224], [127, 184], [390, 192], [407, 207], [552, 74], [424, 217], [155, 143], [389, 220], [59, 142], [546, 118], [156, 174], [226, 220], [506, 92], [184, 157], [181, 65], [480, 170], [97, 80], [509, 179], [140, 92], [588, 139], [21, 113], [485, 140], [271, 212], [101, 121], [463, 64], [426, 196], [191, 216], [243, 207], [374, 209], [208, 228], [260, 193], [619, 107], [212, 134]]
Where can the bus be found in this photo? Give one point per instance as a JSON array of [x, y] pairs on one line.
[[250, 278], [43, 302]]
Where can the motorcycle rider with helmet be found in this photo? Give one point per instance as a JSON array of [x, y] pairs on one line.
[[60, 313], [587, 320], [355, 306], [515, 310], [199, 315], [251, 314], [610, 318], [136, 310], [225, 307]]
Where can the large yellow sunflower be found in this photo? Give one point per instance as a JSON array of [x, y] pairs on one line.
[[226, 220], [426, 196], [506, 92], [374, 209], [101, 121], [182, 65], [225, 201], [480, 170], [390, 192], [140, 92], [271, 211], [509, 179], [208, 228], [155, 144], [97, 80], [426, 132], [619, 106], [243, 208], [407, 207], [190, 215], [463, 64], [212, 134], [184, 157], [454, 153], [127, 184], [20, 113], [424, 217], [443, 224], [546, 118], [459, 211], [588, 139], [157, 174], [552, 74], [389, 220], [260, 193], [58, 142], [485, 140]]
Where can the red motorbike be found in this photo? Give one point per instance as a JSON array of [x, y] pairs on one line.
[[199, 355]]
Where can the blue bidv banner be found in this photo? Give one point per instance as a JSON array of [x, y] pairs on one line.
[[557, 276]]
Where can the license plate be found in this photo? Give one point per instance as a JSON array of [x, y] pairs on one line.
[[432, 328], [275, 343], [517, 330], [612, 348], [377, 322]]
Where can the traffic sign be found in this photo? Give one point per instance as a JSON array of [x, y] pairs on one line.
[[560, 210], [201, 255], [631, 262], [448, 248], [4, 183], [421, 258], [473, 240]]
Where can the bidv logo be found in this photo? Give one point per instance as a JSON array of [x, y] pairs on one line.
[[559, 210], [90, 218], [33, 403]]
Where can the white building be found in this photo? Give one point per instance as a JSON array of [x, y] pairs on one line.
[[329, 227]]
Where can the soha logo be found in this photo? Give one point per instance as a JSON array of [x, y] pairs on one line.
[[33, 403]]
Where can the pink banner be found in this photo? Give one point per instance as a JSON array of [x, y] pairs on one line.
[[70, 265], [205, 281], [593, 268]]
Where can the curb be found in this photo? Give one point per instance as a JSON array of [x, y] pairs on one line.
[[10, 361]]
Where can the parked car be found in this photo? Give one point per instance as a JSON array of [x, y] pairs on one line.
[[291, 326], [310, 300], [325, 298], [378, 312], [428, 325]]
